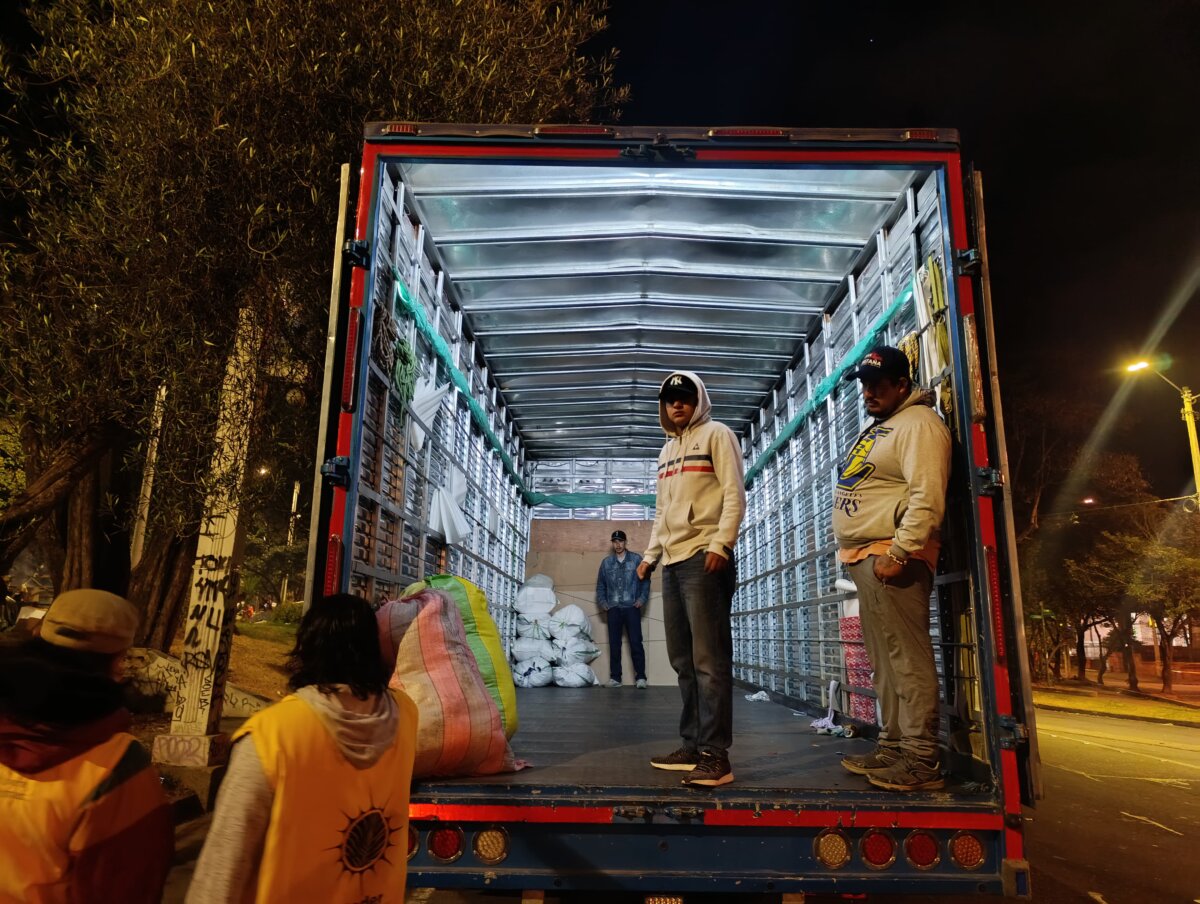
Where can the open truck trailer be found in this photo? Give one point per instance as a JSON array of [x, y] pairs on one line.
[[551, 276]]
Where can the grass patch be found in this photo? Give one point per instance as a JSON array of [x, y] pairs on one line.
[[1117, 704], [268, 631]]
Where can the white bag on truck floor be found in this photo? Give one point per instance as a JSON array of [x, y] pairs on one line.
[[538, 628], [576, 650], [568, 623], [524, 648], [577, 675], [536, 597], [533, 673]]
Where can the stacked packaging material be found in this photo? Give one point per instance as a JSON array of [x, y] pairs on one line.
[[858, 668], [552, 646]]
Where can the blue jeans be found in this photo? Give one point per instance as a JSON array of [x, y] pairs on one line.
[[626, 618], [696, 608]]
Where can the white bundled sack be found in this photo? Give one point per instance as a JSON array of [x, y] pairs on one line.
[[528, 626], [568, 623], [577, 675], [536, 597], [524, 648], [576, 650], [533, 673]]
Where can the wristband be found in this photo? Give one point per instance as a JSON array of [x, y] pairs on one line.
[[900, 562]]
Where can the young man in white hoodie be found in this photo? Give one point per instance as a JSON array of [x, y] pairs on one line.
[[314, 806], [701, 498]]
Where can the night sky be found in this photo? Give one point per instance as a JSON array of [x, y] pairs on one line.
[[1084, 119]]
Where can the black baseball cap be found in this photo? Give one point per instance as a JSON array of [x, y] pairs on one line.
[[619, 535], [678, 386], [881, 361]]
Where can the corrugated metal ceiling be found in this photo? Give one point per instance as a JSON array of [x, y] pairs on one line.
[[586, 284]]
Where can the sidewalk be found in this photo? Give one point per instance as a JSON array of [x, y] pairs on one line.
[[1149, 704]]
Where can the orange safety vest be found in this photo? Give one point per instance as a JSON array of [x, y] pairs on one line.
[[337, 833], [43, 816]]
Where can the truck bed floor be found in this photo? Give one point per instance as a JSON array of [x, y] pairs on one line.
[[587, 745]]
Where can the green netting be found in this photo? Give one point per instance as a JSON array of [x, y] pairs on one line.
[[594, 500]]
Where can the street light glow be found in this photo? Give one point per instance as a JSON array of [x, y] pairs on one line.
[[1139, 365]]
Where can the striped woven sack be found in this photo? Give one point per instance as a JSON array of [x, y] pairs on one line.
[[459, 730]]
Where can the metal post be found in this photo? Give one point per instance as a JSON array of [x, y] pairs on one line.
[[291, 532], [1189, 418]]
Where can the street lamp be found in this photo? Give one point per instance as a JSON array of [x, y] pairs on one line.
[[1189, 417]]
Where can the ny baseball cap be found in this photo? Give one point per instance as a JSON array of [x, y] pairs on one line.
[[881, 361], [91, 620], [677, 386], [619, 535]]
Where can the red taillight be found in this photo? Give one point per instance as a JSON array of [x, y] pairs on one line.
[[446, 844], [350, 368], [993, 568], [878, 849], [333, 565], [414, 842], [603, 131], [966, 850], [832, 848], [921, 135], [399, 128], [922, 850], [741, 132]]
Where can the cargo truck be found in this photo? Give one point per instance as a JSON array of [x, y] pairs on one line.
[[506, 301]]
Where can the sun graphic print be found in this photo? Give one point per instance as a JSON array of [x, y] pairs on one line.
[[366, 840]]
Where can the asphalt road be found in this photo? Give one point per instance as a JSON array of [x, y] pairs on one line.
[[1120, 822]]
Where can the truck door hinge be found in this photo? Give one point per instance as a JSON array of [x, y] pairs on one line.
[[357, 253], [684, 814], [1017, 733], [660, 149], [991, 482], [633, 813], [336, 471], [967, 262]]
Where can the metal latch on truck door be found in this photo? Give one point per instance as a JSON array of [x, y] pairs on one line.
[[991, 482], [967, 262], [336, 471], [1017, 733], [357, 252]]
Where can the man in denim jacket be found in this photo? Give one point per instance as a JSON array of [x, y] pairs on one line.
[[622, 596]]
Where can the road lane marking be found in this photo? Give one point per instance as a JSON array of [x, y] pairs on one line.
[[1171, 745], [1149, 821], [1157, 759], [1182, 783]]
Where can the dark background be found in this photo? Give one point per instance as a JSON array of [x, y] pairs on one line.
[[1084, 119]]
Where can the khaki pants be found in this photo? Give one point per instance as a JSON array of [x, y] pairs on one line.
[[895, 623]]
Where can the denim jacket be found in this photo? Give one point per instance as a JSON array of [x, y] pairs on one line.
[[617, 583]]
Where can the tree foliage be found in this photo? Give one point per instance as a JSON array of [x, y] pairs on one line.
[[171, 164]]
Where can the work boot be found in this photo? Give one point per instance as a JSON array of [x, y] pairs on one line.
[[909, 773], [681, 759], [712, 770], [878, 758]]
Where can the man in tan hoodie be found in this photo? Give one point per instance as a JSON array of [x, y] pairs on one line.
[[701, 498], [887, 510]]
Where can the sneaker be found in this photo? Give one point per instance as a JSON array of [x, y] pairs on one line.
[[641, 683], [877, 759], [613, 682], [712, 770], [681, 759], [909, 773]]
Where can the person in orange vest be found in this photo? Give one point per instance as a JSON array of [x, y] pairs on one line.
[[314, 805], [77, 791]]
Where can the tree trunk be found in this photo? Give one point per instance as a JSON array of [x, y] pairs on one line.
[[80, 554], [1167, 656], [159, 586], [1081, 652], [1129, 649], [1056, 662]]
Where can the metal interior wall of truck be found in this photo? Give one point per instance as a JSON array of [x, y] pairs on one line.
[[793, 630]]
